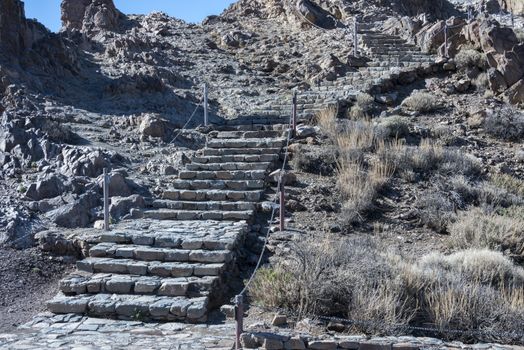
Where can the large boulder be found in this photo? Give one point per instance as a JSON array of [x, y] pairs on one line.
[[316, 15], [515, 6], [515, 94], [121, 206], [83, 162], [48, 187], [76, 214], [152, 126], [89, 16]]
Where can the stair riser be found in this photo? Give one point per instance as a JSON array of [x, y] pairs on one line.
[[204, 215], [220, 185], [219, 144], [238, 151], [228, 166], [236, 158]]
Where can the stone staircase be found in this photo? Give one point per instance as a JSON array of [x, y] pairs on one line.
[[389, 56], [173, 261]]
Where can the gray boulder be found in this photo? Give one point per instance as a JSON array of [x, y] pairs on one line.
[[76, 214], [48, 187], [121, 206]]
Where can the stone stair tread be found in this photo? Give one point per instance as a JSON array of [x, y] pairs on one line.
[[222, 175], [149, 268], [203, 205], [213, 195], [89, 283], [219, 184], [240, 151], [241, 143], [228, 166], [255, 158], [148, 253], [172, 214], [125, 306]]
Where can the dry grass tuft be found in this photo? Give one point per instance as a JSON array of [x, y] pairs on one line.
[[423, 102], [327, 121], [509, 183], [478, 228], [506, 123]]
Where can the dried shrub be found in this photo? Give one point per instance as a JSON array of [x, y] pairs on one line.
[[436, 210], [315, 160], [468, 58], [506, 123], [423, 102], [481, 82], [502, 231], [509, 183], [473, 290], [362, 108], [396, 126], [356, 138]]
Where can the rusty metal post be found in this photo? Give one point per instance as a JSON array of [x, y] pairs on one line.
[[294, 116], [105, 185], [282, 205], [446, 53], [239, 316], [206, 117], [355, 36]]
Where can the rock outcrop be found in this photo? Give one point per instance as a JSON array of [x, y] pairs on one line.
[[89, 16], [515, 6]]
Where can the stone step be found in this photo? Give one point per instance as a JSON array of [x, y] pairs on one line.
[[147, 253], [203, 205], [245, 143], [133, 307], [238, 151], [213, 195], [222, 175], [247, 134], [168, 214], [228, 166], [204, 237], [149, 268], [236, 158], [83, 283], [238, 185]]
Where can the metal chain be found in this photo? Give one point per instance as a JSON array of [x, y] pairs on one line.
[[442, 330]]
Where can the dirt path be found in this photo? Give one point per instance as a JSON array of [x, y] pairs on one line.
[[28, 278]]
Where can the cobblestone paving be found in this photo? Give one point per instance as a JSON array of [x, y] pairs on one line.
[[83, 333]]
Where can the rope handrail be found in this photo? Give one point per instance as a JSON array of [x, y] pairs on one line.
[[187, 122]]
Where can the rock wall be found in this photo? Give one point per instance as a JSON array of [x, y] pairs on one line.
[[515, 6], [89, 16], [12, 27]]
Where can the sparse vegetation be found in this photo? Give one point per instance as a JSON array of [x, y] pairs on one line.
[[362, 108], [520, 34], [475, 290], [436, 210], [327, 121], [396, 126], [481, 81], [314, 160], [422, 102], [468, 58], [506, 124]]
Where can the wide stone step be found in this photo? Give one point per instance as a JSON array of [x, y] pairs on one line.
[[182, 237], [168, 214], [239, 134], [85, 283], [222, 175], [133, 307], [147, 253], [228, 166], [239, 185], [245, 143], [203, 205], [240, 158], [237, 151], [213, 195], [149, 268]]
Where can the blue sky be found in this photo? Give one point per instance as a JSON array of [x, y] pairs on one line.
[[48, 11]]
